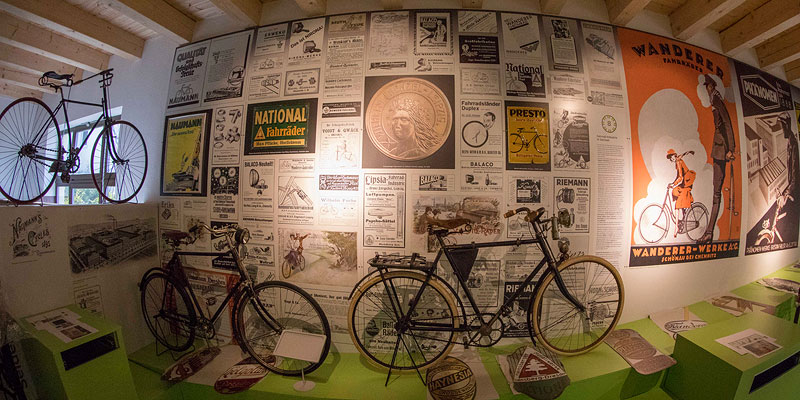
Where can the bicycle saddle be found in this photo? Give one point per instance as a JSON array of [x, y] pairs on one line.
[[54, 75], [175, 236]]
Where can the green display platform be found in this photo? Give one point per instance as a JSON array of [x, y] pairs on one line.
[[91, 367], [708, 370]]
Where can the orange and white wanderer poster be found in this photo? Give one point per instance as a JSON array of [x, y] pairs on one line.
[[686, 153]]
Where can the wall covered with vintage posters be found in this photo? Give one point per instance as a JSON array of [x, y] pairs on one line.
[[344, 135]]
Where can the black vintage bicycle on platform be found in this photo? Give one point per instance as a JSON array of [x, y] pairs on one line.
[[32, 152], [404, 316], [261, 312]]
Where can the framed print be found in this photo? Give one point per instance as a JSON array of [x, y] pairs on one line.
[[184, 160], [281, 127]]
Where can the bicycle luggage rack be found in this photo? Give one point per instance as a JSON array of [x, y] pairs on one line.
[[414, 261]]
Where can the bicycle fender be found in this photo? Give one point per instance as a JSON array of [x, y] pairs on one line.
[[150, 272], [357, 285]]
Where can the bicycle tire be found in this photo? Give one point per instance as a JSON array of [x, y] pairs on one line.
[[604, 300], [302, 262], [28, 126], [515, 143], [653, 232], [122, 146], [698, 214], [293, 309], [368, 327], [286, 269], [158, 290], [539, 144], [473, 127]]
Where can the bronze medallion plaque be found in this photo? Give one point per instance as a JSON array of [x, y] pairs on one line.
[[408, 119]]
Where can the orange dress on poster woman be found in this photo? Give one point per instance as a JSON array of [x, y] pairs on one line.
[[682, 185]]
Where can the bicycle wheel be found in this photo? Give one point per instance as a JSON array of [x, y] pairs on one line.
[[563, 328], [286, 269], [515, 143], [474, 134], [539, 144], [119, 162], [272, 308], [653, 223], [30, 142], [301, 262], [695, 221], [373, 323], [168, 311]]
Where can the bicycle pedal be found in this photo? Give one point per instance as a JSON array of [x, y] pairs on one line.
[[466, 343]]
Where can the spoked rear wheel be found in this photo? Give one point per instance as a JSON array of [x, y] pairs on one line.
[[372, 321], [653, 223], [276, 307], [119, 162], [168, 312], [30, 142], [696, 221], [563, 328]]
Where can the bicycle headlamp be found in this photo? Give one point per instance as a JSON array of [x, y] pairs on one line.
[[242, 235]]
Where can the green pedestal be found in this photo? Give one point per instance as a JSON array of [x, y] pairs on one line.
[[708, 370], [91, 367]]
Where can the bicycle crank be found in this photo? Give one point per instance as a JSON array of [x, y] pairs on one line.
[[482, 334]]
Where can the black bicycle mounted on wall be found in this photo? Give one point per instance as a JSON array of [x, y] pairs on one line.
[[405, 316], [260, 314], [32, 152]]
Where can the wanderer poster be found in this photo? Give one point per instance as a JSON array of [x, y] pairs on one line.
[[687, 179]]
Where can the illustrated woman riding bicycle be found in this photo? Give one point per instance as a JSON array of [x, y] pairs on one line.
[[681, 187], [294, 259]]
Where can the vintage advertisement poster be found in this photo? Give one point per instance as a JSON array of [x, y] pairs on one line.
[[306, 42], [169, 213], [516, 322], [110, 241], [338, 200], [772, 161], [471, 21], [433, 34], [478, 50], [191, 219], [265, 70], [296, 165], [388, 41], [562, 35], [270, 40], [30, 238], [339, 143], [315, 257], [567, 87], [258, 187], [188, 72], [224, 192], [573, 195], [219, 244], [524, 80], [281, 127], [434, 182], [687, 196], [87, 294], [528, 136], [434, 64], [260, 262], [226, 143], [261, 227], [408, 122], [344, 67], [347, 23], [185, 154], [304, 81], [296, 199], [341, 109], [384, 210], [482, 129], [226, 62], [481, 175], [211, 287], [480, 212], [526, 191], [265, 80], [570, 136], [603, 61], [521, 36], [480, 81]]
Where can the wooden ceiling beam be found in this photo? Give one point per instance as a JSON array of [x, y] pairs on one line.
[[780, 50], [22, 79], [551, 6], [158, 16], [35, 39], [694, 16], [17, 92], [78, 24], [313, 7], [621, 12], [474, 4], [761, 24], [245, 11], [392, 4], [792, 70], [32, 63]]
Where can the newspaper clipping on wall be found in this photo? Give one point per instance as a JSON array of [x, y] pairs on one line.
[[225, 72], [384, 210], [188, 71]]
